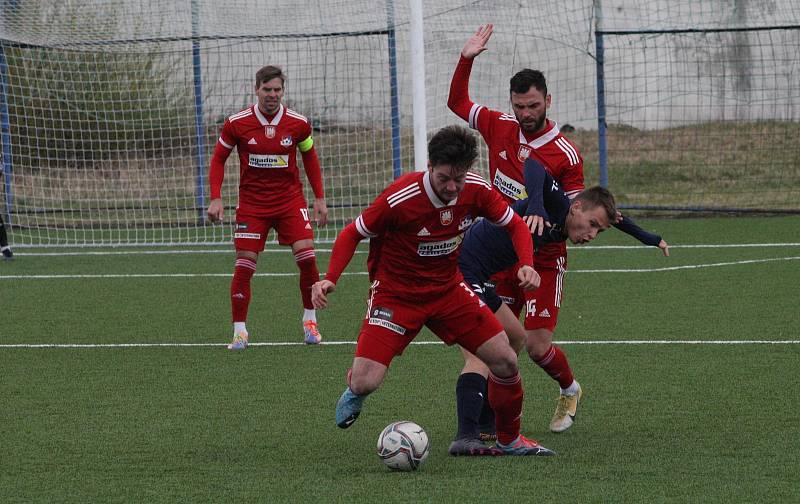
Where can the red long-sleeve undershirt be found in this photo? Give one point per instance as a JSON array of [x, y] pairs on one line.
[[343, 249], [459, 100], [216, 173], [313, 171], [521, 238]]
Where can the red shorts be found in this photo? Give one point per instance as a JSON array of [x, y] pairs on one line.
[[457, 315], [506, 286], [291, 225], [542, 305]]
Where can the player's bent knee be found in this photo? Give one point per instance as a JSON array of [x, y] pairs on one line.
[[505, 367], [366, 376], [536, 351], [363, 384], [538, 343], [499, 356]]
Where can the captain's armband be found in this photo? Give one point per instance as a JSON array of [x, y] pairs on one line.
[[306, 144]]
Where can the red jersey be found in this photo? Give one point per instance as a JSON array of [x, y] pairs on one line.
[[415, 237], [509, 147], [269, 178]]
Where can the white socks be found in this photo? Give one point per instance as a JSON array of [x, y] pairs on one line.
[[571, 390]]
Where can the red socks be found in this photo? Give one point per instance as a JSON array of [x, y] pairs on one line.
[[245, 268], [505, 396], [309, 275], [240, 288], [554, 362]]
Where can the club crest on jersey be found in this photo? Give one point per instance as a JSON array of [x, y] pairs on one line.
[[524, 152], [446, 217], [286, 141], [269, 131]]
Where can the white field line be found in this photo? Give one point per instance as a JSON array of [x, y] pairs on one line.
[[228, 275], [326, 343], [286, 250]]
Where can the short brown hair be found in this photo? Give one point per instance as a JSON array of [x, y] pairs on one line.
[[268, 73], [453, 145], [599, 197]]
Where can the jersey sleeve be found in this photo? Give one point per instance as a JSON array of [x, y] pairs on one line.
[[477, 116], [627, 225], [313, 170], [228, 136], [375, 219], [497, 211], [216, 172], [571, 173], [343, 249], [310, 160], [535, 176], [491, 204], [370, 223]]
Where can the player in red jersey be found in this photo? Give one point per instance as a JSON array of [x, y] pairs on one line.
[[267, 136], [415, 227], [512, 139]]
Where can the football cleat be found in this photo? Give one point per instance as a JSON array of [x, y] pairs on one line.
[[312, 335], [471, 447], [487, 432], [7, 254], [348, 408], [239, 342], [525, 446], [566, 409]]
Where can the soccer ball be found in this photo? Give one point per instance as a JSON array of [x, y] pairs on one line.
[[403, 446]]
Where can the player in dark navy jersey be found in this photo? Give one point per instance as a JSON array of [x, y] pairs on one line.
[[487, 249]]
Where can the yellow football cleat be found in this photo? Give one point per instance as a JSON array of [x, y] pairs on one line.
[[566, 409]]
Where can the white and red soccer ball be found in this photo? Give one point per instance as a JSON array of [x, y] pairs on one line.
[[403, 446]]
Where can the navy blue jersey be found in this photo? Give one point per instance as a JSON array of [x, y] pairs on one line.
[[488, 249]]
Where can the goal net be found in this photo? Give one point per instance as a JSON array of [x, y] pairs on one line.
[[114, 109], [110, 109]]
